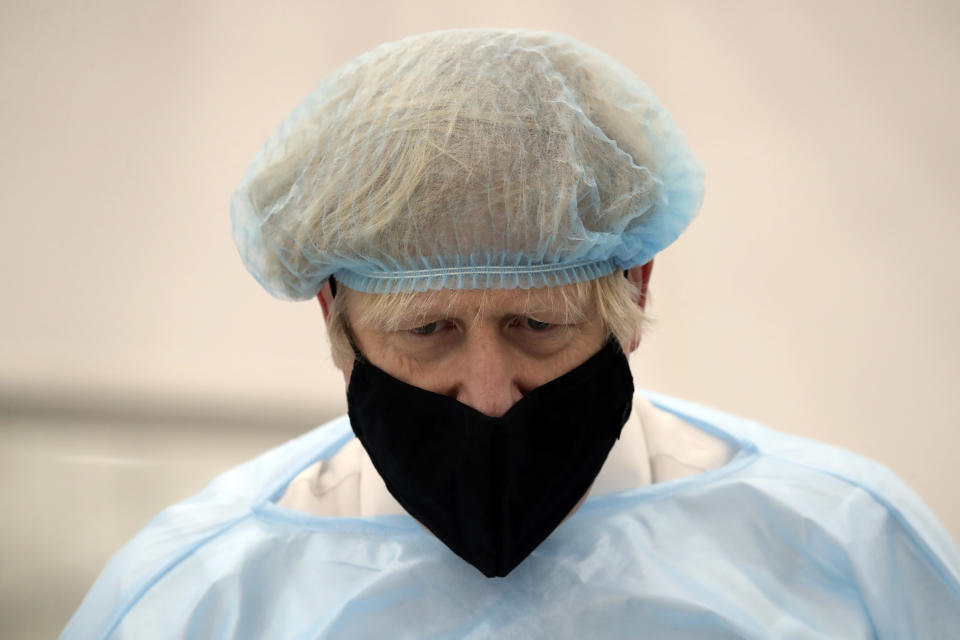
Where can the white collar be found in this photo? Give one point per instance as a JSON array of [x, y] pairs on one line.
[[654, 446]]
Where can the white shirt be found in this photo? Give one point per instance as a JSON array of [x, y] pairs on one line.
[[654, 446]]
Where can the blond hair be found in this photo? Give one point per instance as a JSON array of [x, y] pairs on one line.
[[613, 297], [466, 159]]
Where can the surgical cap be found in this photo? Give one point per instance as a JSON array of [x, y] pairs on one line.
[[466, 159]]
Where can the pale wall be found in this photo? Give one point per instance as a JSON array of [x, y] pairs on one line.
[[817, 292]]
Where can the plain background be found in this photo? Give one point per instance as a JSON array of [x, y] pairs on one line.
[[816, 293]]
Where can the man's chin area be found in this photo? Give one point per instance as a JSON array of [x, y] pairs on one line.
[[565, 518]]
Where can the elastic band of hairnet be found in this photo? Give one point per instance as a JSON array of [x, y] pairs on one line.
[[479, 277]]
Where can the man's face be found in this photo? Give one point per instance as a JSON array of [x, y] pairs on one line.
[[487, 349]]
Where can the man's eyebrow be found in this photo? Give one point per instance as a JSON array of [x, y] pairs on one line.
[[571, 307], [392, 314]]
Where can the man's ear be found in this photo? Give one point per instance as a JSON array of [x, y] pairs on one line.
[[325, 297], [640, 276]]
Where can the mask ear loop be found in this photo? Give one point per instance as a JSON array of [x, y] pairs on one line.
[[333, 286]]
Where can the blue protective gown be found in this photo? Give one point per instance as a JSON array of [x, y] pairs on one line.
[[790, 539]]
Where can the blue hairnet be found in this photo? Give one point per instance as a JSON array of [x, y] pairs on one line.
[[466, 159]]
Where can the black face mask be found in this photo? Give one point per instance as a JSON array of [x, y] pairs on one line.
[[492, 489]]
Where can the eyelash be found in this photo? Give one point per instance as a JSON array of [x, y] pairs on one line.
[[425, 330], [536, 325]]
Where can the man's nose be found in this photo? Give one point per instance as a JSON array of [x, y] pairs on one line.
[[488, 377]]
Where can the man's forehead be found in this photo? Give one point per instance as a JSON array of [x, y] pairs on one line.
[[568, 299]]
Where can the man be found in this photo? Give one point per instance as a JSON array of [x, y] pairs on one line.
[[477, 213]]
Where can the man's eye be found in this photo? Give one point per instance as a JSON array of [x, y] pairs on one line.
[[536, 325], [426, 329]]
